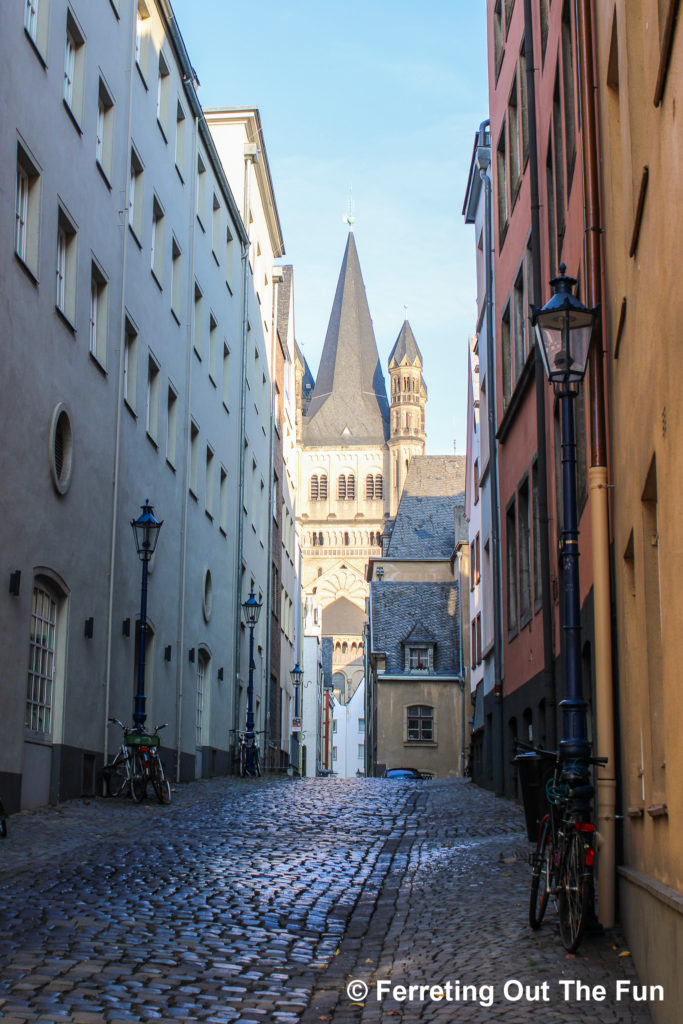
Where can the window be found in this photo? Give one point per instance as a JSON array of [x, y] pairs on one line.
[[130, 366], [213, 349], [334, 753], [98, 315], [361, 725], [323, 487], [226, 375], [61, 449], [27, 211], [536, 519], [180, 140], [420, 723], [351, 486], [135, 195], [498, 34], [379, 486], [223, 501], [152, 399], [511, 540], [341, 488], [216, 228], [142, 40], [488, 595], [334, 725], [501, 186], [171, 425], [194, 458], [314, 487], [524, 527], [163, 96], [560, 195], [157, 251], [369, 487], [473, 644], [361, 751], [506, 356], [478, 637], [550, 205], [523, 106], [197, 324], [476, 568], [74, 66], [42, 661], [419, 658], [105, 131], [176, 279], [66, 267], [513, 138], [201, 679], [519, 324], [475, 479], [208, 496], [543, 4], [568, 91], [347, 539], [201, 191]]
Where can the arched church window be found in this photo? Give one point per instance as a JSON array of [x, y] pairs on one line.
[[369, 487], [320, 540], [354, 650], [314, 487], [322, 493], [345, 648], [372, 538], [341, 488], [351, 486], [346, 538], [337, 648], [379, 486]]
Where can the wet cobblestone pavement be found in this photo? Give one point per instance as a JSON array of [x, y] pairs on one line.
[[253, 901]]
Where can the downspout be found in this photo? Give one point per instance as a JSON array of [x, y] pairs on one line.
[[269, 581], [597, 475], [549, 683], [463, 759], [119, 406], [242, 438], [180, 643], [484, 162]]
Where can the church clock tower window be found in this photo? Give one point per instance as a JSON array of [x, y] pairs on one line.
[[369, 487], [314, 488], [351, 486], [341, 488], [379, 486]]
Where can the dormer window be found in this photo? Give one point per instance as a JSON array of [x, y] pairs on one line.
[[419, 658]]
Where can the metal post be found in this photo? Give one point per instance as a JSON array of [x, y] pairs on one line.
[[249, 736], [139, 714]]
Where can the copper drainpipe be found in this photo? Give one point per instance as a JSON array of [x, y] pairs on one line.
[[597, 476]]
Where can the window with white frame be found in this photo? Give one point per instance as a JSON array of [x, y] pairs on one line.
[[98, 315], [419, 657], [142, 39], [157, 249], [226, 375], [105, 130], [229, 253], [201, 190], [420, 724], [208, 490], [213, 349], [135, 195], [198, 322], [223, 501], [176, 279], [201, 674], [74, 67], [361, 751], [163, 96], [65, 297], [27, 211], [171, 425], [194, 459], [361, 725], [216, 228], [42, 660], [180, 140], [130, 366], [152, 399]]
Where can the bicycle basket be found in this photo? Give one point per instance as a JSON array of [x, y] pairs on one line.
[[534, 771], [141, 739]]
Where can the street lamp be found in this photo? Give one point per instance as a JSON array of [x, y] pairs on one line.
[[146, 532], [252, 610], [563, 330], [297, 674]]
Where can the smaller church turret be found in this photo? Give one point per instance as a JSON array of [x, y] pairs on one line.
[[408, 399]]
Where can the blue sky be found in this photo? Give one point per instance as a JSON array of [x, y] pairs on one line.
[[384, 98]]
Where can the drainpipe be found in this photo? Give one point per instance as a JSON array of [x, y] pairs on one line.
[[242, 431], [549, 682], [119, 406], [484, 162], [463, 759], [271, 486], [597, 474]]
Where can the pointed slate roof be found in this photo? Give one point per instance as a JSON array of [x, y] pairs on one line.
[[405, 346], [349, 402]]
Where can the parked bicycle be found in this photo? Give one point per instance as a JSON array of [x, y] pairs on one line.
[[136, 763], [243, 756], [562, 863]]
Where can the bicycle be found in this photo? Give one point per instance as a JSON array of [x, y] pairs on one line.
[[243, 757], [562, 864], [124, 774]]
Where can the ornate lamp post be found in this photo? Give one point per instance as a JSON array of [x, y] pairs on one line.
[[146, 532], [563, 330], [297, 675], [252, 610]]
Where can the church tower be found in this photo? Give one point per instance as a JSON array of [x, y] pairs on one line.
[[408, 398]]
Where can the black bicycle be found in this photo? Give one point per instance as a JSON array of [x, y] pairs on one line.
[[136, 763]]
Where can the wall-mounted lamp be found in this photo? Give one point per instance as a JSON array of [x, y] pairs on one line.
[[220, 674], [125, 629], [191, 654], [89, 628], [167, 653], [15, 582]]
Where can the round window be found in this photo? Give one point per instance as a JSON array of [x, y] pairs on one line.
[[61, 449], [207, 597]]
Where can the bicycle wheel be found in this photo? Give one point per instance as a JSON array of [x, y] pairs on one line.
[[243, 759], [540, 878], [138, 778], [161, 785], [117, 776], [575, 890], [257, 761]]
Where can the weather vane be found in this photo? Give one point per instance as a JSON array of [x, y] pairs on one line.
[[349, 218], [405, 312]]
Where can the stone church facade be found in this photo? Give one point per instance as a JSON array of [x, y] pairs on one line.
[[354, 450]]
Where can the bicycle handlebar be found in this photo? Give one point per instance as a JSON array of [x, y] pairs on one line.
[[534, 748]]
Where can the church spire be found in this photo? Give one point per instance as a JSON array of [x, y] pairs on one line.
[[349, 402]]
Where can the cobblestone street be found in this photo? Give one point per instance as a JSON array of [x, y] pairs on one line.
[[256, 901]]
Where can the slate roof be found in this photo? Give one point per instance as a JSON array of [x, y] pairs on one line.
[[349, 402], [284, 294], [433, 494], [405, 610], [405, 345], [342, 617]]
